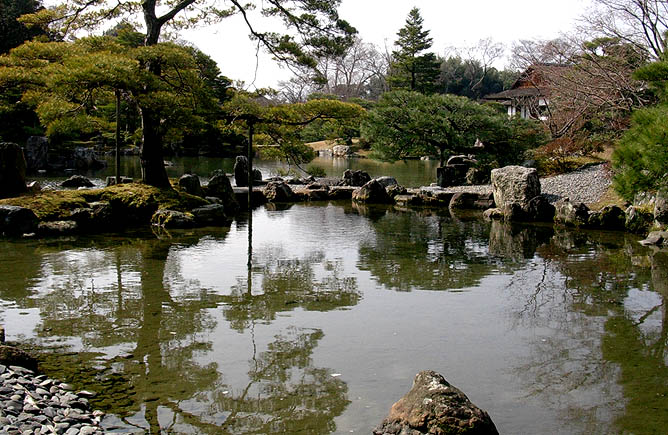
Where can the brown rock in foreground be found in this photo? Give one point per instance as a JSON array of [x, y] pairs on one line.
[[433, 406]]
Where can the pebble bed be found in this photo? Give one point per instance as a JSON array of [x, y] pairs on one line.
[[586, 185], [32, 404]]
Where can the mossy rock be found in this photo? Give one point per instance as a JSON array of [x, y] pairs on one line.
[[131, 203]]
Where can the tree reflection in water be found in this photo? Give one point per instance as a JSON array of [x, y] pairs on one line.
[[140, 329], [581, 286]]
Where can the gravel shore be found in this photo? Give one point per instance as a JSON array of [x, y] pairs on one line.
[[586, 185], [32, 404]]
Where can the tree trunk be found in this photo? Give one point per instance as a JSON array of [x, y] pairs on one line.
[[152, 160]]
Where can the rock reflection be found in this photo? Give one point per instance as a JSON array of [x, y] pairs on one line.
[[517, 242], [427, 251]]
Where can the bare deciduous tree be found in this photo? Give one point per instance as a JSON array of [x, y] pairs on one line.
[[640, 23]]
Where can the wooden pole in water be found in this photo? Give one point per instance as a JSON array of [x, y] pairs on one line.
[[250, 195], [118, 136]]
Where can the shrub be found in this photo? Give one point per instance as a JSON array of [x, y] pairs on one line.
[[316, 171]]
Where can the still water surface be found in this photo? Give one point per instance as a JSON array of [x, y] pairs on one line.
[[550, 331], [411, 173]]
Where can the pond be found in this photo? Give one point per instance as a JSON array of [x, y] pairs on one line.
[[550, 331], [409, 173]]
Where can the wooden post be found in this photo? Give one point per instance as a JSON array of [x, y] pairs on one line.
[[118, 136], [250, 198]]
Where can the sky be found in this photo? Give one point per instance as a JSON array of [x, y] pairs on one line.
[[451, 24]]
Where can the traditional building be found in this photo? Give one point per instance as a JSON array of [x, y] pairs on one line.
[[529, 95]]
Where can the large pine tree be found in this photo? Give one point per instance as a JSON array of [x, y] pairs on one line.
[[410, 68]]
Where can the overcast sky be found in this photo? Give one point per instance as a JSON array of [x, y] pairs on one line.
[[452, 24]]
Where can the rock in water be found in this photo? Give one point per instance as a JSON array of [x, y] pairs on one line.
[[433, 406], [515, 185], [241, 171], [355, 178], [12, 170], [37, 153], [190, 184], [372, 193], [77, 181]]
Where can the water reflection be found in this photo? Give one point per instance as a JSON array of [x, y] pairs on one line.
[[142, 331], [431, 251], [178, 335]]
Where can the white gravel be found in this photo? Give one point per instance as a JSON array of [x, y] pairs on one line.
[[585, 185]]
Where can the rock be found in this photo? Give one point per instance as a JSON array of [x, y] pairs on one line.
[[2, 339], [278, 191], [386, 181], [13, 356], [472, 201], [341, 192], [573, 214], [656, 238], [451, 175], [435, 196], [102, 214], [493, 214], [34, 187], [85, 159], [540, 210], [433, 406], [210, 214], [241, 172], [514, 185], [396, 190], [15, 220], [638, 219], [111, 181], [12, 170], [341, 151], [355, 178], [372, 193], [220, 187], [661, 208], [189, 183], [610, 217], [36, 153], [172, 219], [476, 176], [77, 181], [58, 228], [461, 160]]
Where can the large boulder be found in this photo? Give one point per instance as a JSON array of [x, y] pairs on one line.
[[572, 214], [661, 208], [86, 158], [241, 172], [514, 185], [341, 151], [76, 181], [610, 217], [278, 191], [12, 170], [638, 219], [451, 175], [386, 181], [220, 187], [372, 193], [539, 209], [471, 201], [433, 406], [210, 214], [15, 220], [355, 178], [36, 153], [190, 183]]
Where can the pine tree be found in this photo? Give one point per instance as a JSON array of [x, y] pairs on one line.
[[410, 69]]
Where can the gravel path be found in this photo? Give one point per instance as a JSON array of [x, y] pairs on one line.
[[586, 185]]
